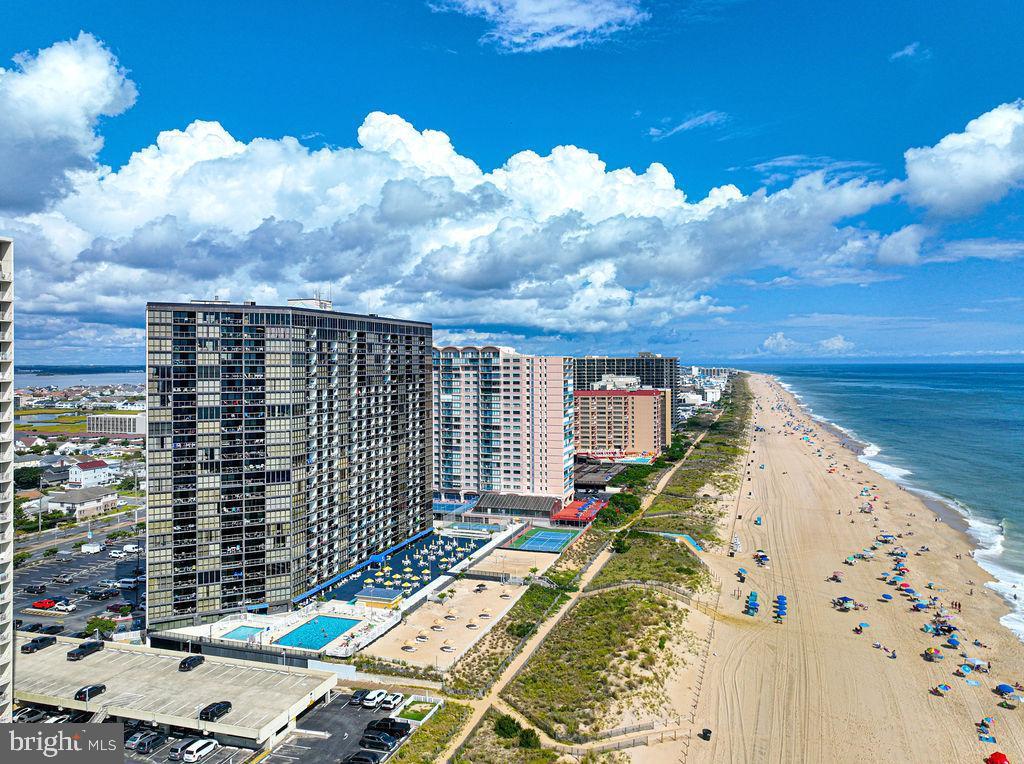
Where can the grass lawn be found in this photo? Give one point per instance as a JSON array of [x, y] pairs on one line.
[[609, 652], [416, 711]]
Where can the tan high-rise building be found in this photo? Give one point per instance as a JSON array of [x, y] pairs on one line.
[[6, 477], [502, 423], [614, 423]]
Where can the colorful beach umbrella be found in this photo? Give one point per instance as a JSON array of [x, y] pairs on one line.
[[1004, 689], [887, 597]]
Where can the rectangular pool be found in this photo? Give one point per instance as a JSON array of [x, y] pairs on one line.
[[317, 632], [242, 633]]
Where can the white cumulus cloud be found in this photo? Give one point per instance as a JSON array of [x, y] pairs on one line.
[[780, 345], [50, 107], [966, 170]]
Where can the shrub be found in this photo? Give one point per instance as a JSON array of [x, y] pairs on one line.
[[506, 726], [529, 738]]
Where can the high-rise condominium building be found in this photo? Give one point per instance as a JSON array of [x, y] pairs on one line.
[[621, 422], [503, 422], [286, 444], [660, 372], [6, 478]]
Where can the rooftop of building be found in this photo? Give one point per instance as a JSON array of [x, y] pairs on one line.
[[80, 495], [648, 392], [251, 306]]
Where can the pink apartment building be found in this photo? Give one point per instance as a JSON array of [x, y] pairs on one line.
[[503, 422]]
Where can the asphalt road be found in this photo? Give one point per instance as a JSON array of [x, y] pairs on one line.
[[63, 538], [87, 570]]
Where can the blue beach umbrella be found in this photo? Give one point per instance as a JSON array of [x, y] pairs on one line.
[[864, 625], [1004, 689], [742, 571], [966, 669], [887, 597]]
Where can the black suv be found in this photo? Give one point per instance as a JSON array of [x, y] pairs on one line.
[[35, 589], [215, 711], [378, 741], [90, 691], [84, 649], [37, 643], [364, 757], [53, 628], [394, 727], [191, 662]]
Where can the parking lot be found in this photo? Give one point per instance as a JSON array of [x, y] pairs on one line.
[[86, 570], [343, 722], [224, 755]]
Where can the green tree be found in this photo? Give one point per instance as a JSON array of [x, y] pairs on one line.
[[50, 552], [27, 477], [101, 624], [20, 558]]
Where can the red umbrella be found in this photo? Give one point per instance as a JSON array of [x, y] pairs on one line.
[[998, 758]]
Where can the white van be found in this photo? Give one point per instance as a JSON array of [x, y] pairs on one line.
[[131, 548], [200, 750], [91, 548]]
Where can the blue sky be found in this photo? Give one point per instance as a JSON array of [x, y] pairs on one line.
[[755, 201]]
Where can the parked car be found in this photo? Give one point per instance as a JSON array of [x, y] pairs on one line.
[[61, 600], [82, 589], [127, 583], [53, 628], [137, 737], [32, 628], [374, 698], [116, 607], [85, 649], [189, 663], [29, 716], [215, 711], [36, 644], [103, 594], [364, 757], [200, 750], [151, 743], [392, 701], [90, 691], [358, 697], [378, 741], [116, 554], [58, 719], [63, 578], [107, 583], [35, 589], [43, 604], [80, 634], [177, 751], [65, 607], [79, 717], [394, 727]]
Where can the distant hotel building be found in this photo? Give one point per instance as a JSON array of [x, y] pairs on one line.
[[620, 418], [116, 424], [6, 478], [655, 371], [286, 444], [503, 422]]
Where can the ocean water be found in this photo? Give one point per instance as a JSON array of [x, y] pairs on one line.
[[954, 432]]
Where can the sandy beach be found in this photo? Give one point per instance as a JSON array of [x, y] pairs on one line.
[[810, 689]]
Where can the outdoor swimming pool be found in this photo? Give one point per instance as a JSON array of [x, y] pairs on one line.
[[317, 632], [242, 633]]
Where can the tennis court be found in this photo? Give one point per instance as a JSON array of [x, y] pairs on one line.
[[543, 540]]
